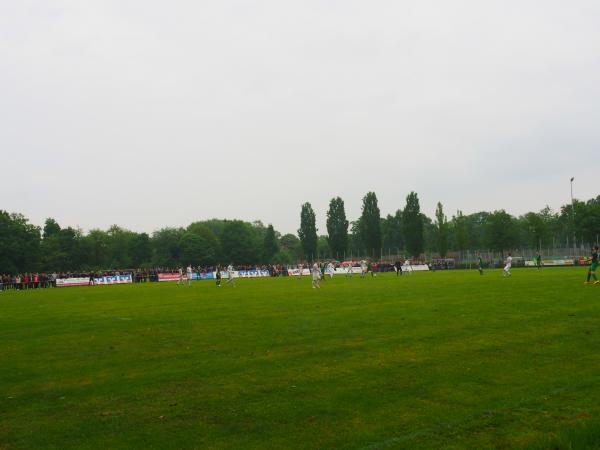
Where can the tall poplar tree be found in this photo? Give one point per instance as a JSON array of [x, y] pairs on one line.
[[413, 226], [441, 228], [337, 227], [308, 231], [370, 224], [270, 245]]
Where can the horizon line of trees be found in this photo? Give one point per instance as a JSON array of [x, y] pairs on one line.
[[25, 247]]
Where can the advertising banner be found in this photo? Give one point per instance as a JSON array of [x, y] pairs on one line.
[[85, 281], [252, 274], [344, 270], [206, 275], [296, 272], [552, 262], [169, 277], [416, 267]]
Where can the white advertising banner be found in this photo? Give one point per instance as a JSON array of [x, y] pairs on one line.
[[296, 272], [85, 281], [251, 274], [344, 270], [552, 262]]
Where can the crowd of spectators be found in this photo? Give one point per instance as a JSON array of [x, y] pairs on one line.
[[43, 280], [27, 281]]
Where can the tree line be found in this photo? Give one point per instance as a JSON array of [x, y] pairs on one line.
[[25, 247]]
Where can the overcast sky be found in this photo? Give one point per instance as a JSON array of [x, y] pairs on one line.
[[150, 114]]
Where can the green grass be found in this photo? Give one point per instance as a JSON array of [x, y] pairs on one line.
[[430, 360]]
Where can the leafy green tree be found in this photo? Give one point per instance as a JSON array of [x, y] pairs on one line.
[[119, 247], [192, 249], [323, 249], [590, 221], [165, 247], [535, 229], [238, 242], [308, 231], [62, 249], [441, 228], [500, 231], [337, 227], [19, 244], [460, 231], [95, 248], [51, 228], [391, 228], [291, 244], [140, 250], [429, 234], [283, 256], [476, 223], [210, 246], [370, 224], [412, 222], [270, 244]]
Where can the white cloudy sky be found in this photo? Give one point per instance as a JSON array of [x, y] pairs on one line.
[[151, 114]]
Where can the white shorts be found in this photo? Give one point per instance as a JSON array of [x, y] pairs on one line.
[[507, 267]]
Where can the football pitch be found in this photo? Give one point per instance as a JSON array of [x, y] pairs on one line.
[[427, 360]]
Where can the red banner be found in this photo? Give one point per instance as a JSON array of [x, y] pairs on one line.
[[168, 277]]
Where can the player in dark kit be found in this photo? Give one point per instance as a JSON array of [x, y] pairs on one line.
[[593, 267], [538, 261], [398, 267], [479, 263]]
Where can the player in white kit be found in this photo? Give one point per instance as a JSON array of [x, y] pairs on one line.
[[316, 276], [506, 270], [189, 274], [330, 270], [363, 268], [180, 281], [230, 279]]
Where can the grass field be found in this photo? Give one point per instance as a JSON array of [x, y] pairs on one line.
[[430, 360]]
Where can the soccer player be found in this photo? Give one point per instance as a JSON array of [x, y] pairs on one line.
[[218, 275], [506, 270], [363, 268], [479, 263], [398, 268], [189, 274], [330, 269], [593, 267], [300, 269], [407, 266], [230, 279], [538, 261], [180, 281], [349, 270], [316, 276]]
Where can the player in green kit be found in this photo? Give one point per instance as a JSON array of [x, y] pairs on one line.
[[479, 263], [593, 267]]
